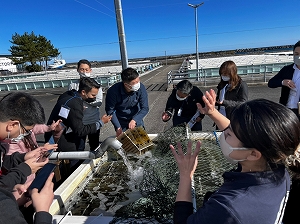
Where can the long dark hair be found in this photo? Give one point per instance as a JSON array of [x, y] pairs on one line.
[[269, 127]]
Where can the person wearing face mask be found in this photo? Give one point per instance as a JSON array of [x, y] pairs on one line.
[[288, 78], [27, 142], [70, 109], [257, 191], [19, 113], [182, 105], [231, 90], [91, 111], [127, 101], [16, 118]]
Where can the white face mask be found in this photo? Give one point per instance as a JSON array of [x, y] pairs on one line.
[[85, 74], [179, 98], [227, 149], [297, 60], [136, 87], [17, 139], [225, 78]]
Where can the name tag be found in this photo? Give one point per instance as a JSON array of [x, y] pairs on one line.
[[64, 112], [179, 112]]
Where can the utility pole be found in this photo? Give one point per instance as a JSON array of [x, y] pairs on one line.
[[121, 34], [166, 57]]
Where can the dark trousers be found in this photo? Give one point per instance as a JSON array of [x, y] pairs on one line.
[[94, 140]]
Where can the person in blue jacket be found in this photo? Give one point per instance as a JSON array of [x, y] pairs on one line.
[[257, 191], [127, 102]]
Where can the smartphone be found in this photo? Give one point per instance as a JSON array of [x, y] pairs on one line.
[[112, 113], [47, 153], [42, 175]]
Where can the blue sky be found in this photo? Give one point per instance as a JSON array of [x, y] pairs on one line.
[[88, 28]]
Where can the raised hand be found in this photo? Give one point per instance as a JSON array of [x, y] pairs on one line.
[[55, 125], [186, 163], [209, 99]]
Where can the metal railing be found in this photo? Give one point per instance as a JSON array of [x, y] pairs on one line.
[[62, 78], [251, 73]]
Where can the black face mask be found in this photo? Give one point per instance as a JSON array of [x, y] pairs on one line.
[[90, 100]]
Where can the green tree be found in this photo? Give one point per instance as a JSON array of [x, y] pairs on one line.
[[30, 48]]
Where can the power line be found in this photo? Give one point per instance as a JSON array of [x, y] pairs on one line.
[[178, 37], [94, 9], [155, 6], [105, 6]]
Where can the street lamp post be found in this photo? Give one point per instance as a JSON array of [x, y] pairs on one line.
[[196, 24]]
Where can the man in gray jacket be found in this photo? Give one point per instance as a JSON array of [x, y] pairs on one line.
[[91, 112]]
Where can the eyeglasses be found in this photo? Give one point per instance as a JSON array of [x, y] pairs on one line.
[[27, 132]]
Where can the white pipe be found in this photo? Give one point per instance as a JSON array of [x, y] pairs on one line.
[[72, 155], [109, 142]]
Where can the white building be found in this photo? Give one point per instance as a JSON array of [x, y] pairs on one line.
[[7, 64]]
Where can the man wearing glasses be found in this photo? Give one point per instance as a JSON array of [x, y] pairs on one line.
[[19, 113]]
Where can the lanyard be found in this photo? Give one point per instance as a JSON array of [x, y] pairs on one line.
[[181, 108]]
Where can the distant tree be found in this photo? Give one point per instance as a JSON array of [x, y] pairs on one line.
[[46, 49], [29, 48]]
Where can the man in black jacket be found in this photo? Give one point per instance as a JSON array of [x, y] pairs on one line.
[[182, 105], [69, 108], [288, 78]]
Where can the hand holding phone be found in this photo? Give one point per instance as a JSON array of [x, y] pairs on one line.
[[49, 152], [112, 113], [35, 165], [45, 155], [42, 176], [106, 118], [42, 200]]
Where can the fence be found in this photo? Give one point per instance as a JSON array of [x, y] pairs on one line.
[[251, 73], [105, 76]]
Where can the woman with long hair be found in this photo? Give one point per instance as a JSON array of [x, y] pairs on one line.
[[231, 90], [260, 136]]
